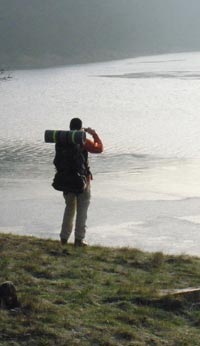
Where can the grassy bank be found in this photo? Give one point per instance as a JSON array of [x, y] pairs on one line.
[[96, 296]]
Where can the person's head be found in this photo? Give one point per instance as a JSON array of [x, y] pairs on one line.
[[75, 124]]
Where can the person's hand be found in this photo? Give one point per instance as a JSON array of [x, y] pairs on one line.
[[90, 131]]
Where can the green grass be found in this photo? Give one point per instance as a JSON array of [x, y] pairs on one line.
[[96, 296]]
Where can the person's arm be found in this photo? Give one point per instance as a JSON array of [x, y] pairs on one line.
[[95, 146]]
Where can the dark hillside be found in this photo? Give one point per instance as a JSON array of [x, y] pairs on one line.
[[38, 33]]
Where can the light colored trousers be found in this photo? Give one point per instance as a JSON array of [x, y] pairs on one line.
[[75, 204]]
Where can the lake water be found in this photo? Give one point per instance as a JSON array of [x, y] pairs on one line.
[[146, 188]]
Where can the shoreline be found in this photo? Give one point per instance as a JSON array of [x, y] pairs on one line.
[[70, 244], [110, 243], [95, 62]]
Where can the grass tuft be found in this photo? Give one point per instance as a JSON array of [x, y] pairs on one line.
[[98, 296]]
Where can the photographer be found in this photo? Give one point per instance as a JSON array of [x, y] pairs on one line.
[[78, 203]]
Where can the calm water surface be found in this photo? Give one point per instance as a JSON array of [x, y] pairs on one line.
[[146, 189]]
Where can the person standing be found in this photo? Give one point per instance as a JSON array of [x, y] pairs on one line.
[[78, 203]]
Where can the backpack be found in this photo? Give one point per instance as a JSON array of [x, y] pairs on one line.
[[72, 170]]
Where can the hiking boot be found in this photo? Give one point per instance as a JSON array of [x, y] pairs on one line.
[[80, 243], [63, 241]]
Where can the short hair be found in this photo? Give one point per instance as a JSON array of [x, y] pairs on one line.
[[75, 124]]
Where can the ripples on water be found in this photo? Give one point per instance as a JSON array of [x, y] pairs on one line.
[[38, 157], [16, 151], [148, 114]]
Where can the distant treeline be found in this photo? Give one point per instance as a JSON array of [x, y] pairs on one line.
[[39, 33]]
